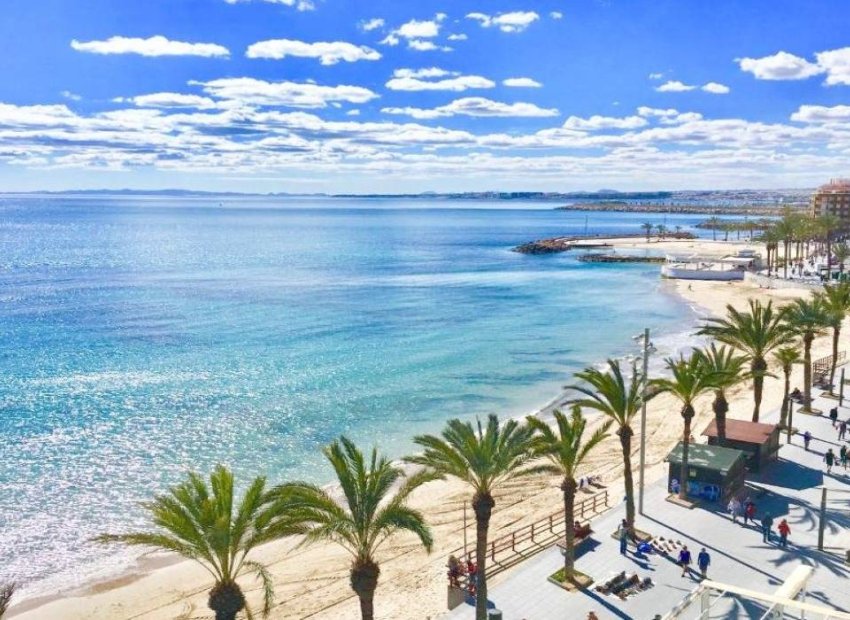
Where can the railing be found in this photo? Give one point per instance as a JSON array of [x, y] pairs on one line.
[[822, 366], [510, 549]]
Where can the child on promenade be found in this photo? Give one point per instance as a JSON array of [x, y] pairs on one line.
[[807, 439], [734, 508], [842, 430], [784, 530], [749, 511]]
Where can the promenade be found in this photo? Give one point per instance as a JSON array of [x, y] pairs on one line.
[[790, 488]]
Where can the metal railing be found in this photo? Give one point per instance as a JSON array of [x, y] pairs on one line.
[[510, 549], [822, 366]]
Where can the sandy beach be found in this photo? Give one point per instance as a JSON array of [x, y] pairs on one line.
[[312, 582]]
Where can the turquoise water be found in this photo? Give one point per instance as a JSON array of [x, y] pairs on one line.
[[144, 337]]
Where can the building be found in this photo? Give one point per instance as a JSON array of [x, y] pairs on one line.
[[759, 441], [833, 199]]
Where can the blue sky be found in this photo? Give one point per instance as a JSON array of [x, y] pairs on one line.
[[417, 95]]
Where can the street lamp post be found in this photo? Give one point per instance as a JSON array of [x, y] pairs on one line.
[[643, 419]]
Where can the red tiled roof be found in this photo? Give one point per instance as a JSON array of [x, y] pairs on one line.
[[741, 430]]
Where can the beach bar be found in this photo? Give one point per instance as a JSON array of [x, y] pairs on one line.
[[714, 472], [759, 441]]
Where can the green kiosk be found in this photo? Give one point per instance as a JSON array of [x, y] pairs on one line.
[[714, 472]]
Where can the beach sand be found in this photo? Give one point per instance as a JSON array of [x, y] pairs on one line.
[[312, 582]]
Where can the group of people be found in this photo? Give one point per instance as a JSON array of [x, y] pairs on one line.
[[458, 569], [747, 510], [703, 561]]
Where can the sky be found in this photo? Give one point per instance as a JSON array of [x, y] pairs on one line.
[[393, 96]]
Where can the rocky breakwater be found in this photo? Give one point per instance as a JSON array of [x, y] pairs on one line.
[[619, 258]]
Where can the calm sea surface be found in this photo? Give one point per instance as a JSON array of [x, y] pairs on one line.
[[144, 337]]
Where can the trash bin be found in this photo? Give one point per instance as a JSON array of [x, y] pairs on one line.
[[494, 614]]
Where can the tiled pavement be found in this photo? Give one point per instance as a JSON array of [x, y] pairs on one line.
[[791, 488]]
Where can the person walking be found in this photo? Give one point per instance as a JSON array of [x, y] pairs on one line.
[[829, 458], [685, 560], [784, 529], [833, 416], [807, 439], [766, 524], [703, 561], [842, 430], [623, 535], [749, 511], [734, 508]]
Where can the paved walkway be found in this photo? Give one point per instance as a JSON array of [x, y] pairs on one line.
[[791, 488]]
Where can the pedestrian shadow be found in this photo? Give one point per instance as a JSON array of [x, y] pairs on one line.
[[603, 603]]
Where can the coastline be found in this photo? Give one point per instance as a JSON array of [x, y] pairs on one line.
[[312, 582]]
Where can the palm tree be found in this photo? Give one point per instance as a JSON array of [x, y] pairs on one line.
[[202, 522], [566, 452], [826, 225], [786, 357], [714, 223], [661, 228], [647, 227], [484, 458], [841, 252], [728, 370], [807, 318], [691, 378], [608, 393], [364, 517], [836, 299], [755, 334], [7, 591]]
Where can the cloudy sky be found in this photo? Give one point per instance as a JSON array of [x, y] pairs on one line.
[[417, 95]]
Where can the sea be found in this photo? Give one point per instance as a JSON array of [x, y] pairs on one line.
[[142, 337]]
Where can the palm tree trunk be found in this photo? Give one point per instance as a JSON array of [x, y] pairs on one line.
[[226, 600], [721, 408], [786, 401], [836, 332], [482, 504], [687, 414], [807, 370], [364, 580], [569, 486], [625, 434], [785, 262], [758, 366]]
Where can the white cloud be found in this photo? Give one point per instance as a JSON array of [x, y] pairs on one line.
[[475, 106], [715, 88], [417, 34], [556, 15], [301, 5], [836, 65], [423, 80], [354, 112], [371, 24], [170, 100], [153, 46], [521, 82], [822, 114], [656, 76], [668, 116], [328, 53], [515, 21], [779, 66], [421, 45], [674, 86], [596, 122], [458, 37], [415, 29], [292, 94], [67, 94]]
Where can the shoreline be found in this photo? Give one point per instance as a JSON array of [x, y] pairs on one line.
[[312, 581]]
